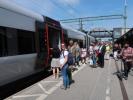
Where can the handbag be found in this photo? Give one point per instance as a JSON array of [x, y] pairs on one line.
[[91, 62]]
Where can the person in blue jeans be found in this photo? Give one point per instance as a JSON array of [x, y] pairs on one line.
[[94, 59], [64, 66]]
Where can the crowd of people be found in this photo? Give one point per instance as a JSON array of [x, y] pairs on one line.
[[123, 52], [68, 57], [97, 52]]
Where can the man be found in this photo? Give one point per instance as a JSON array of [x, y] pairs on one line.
[[102, 50], [107, 51], [127, 56], [70, 48]]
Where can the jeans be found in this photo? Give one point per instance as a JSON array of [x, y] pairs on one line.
[[77, 60], [94, 59], [127, 67], [64, 72]]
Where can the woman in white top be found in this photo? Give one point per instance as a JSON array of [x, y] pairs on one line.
[[83, 55], [64, 66]]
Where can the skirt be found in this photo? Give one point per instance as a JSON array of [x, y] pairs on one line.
[[55, 63]]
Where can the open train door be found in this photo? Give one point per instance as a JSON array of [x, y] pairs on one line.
[[48, 35], [54, 36]]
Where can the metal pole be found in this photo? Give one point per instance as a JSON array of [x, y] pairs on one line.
[[125, 16], [81, 24]]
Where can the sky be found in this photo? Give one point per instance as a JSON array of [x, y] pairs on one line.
[[67, 9]]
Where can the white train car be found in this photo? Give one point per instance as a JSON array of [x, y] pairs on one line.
[[25, 41], [75, 35]]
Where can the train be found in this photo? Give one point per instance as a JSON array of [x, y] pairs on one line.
[[127, 37], [26, 39]]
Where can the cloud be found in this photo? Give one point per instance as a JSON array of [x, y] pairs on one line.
[[71, 11], [40, 6], [70, 2]]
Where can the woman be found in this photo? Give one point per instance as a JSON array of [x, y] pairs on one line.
[[64, 66], [77, 54], [55, 61], [83, 55]]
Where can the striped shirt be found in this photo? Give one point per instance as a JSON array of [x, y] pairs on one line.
[[127, 54]]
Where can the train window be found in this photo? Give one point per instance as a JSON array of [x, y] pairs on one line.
[[14, 42], [26, 42], [3, 46], [11, 38]]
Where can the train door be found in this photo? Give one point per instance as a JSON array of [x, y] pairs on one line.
[[48, 35], [41, 44], [54, 39]]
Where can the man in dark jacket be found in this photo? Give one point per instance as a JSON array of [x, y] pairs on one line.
[[102, 50]]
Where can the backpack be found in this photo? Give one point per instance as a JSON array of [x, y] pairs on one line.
[[70, 59]]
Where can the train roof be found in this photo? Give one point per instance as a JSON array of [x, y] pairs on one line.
[[18, 9], [72, 33], [14, 16], [127, 34]]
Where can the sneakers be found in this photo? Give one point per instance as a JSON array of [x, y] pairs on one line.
[[68, 86], [64, 88], [125, 77]]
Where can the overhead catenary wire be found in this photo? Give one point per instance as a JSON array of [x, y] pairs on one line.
[[119, 16], [35, 5], [73, 8], [62, 8], [39, 6], [95, 18]]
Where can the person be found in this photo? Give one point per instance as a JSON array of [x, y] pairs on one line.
[[55, 61], [72, 49], [127, 56], [70, 68], [77, 54], [96, 49], [91, 50], [116, 49], [94, 56], [102, 50], [64, 66], [83, 55], [107, 51]]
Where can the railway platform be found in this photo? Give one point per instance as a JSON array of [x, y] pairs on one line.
[[90, 84]]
